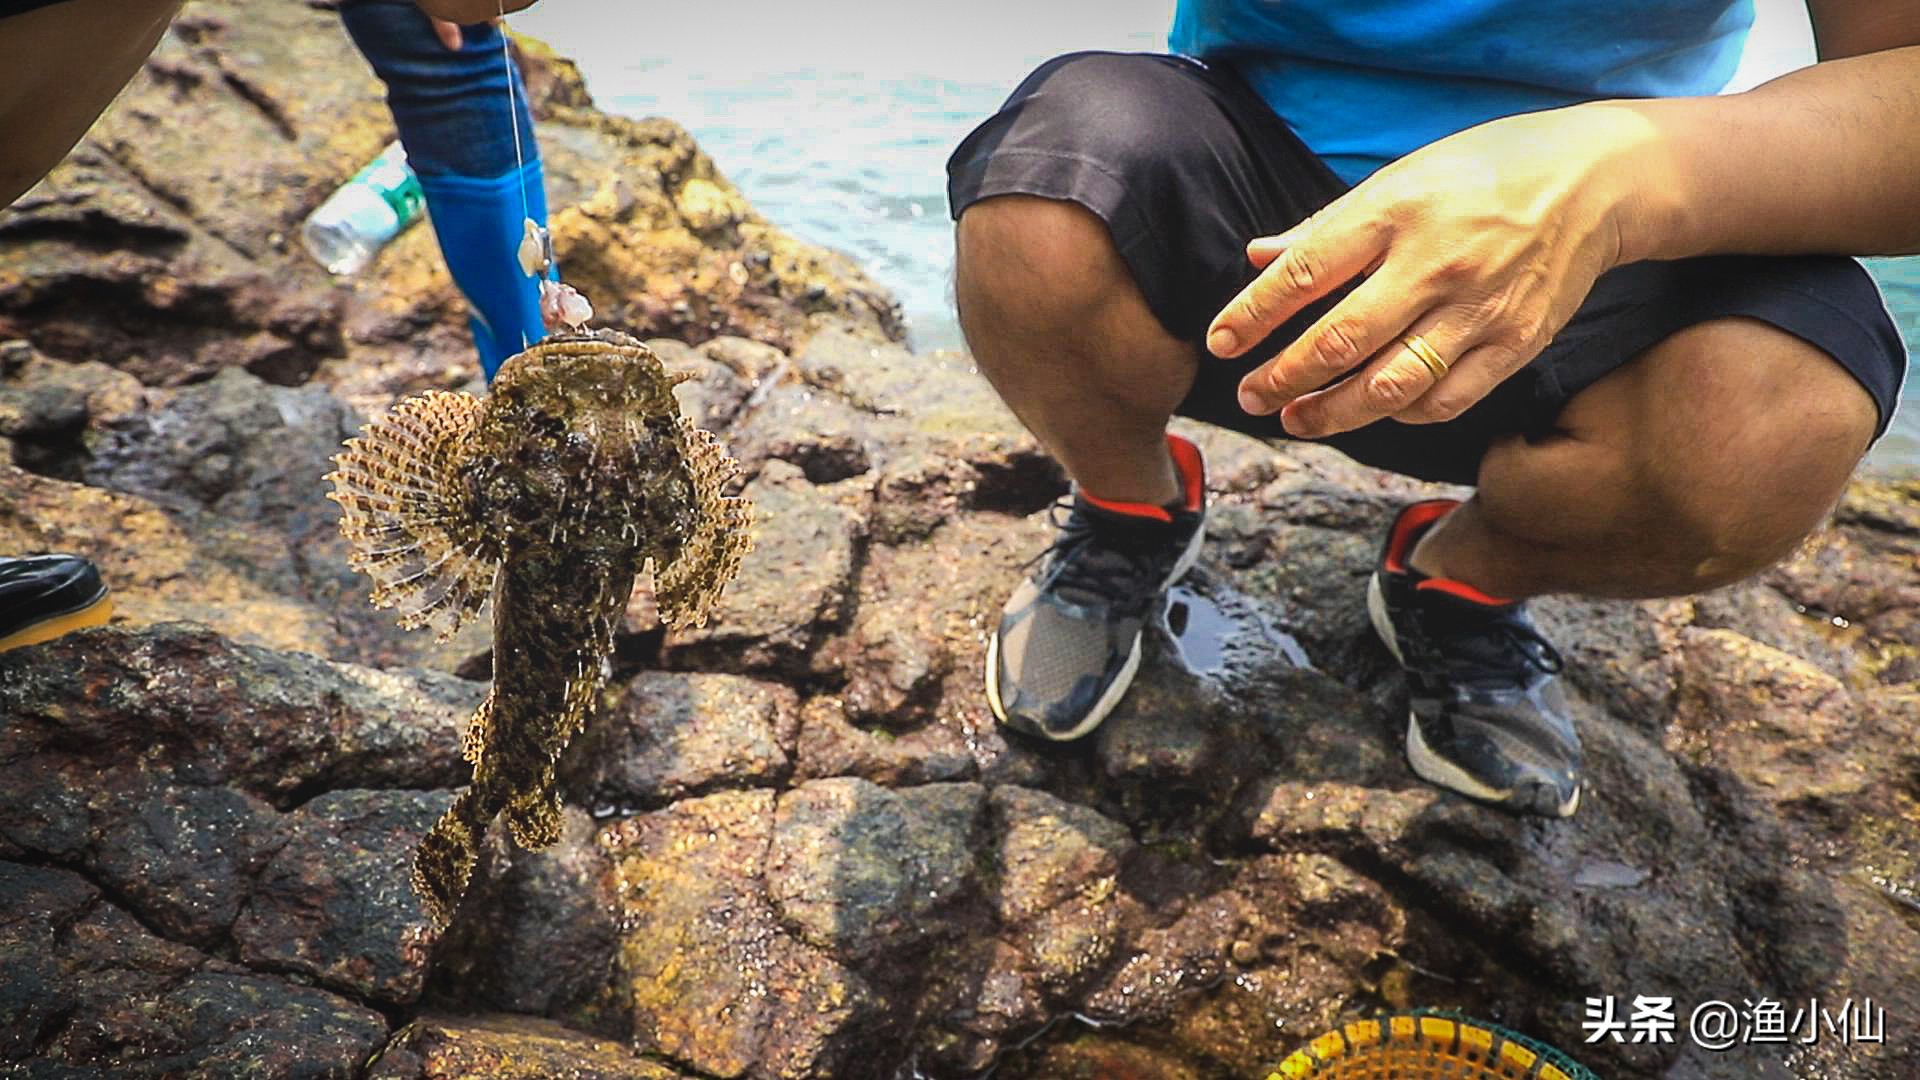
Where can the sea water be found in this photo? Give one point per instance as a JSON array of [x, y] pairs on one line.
[[836, 118]]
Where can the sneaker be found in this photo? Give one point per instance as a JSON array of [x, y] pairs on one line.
[[1489, 719], [1068, 643], [44, 596]]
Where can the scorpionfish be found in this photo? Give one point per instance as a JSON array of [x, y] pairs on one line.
[[576, 472]]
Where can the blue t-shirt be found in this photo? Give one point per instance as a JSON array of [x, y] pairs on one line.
[[1365, 81]]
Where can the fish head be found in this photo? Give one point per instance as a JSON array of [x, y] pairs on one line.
[[582, 432]]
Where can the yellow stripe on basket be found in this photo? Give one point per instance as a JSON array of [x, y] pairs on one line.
[[1513, 1053], [1477, 1038], [1298, 1066], [1329, 1046], [1416, 1047]]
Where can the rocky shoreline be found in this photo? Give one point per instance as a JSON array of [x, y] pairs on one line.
[[797, 846]]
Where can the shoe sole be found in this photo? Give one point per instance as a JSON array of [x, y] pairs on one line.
[[1109, 700], [94, 613], [1428, 765]]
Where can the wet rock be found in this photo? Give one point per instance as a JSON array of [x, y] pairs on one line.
[[828, 745], [674, 734], [167, 697], [53, 412], [1756, 611], [940, 393], [1058, 895], [1777, 721], [713, 980], [715, 394], [1614, 650], [1853, 569], [547, 940], [857, 869], [506, 1047], [91, 992], [185, 857], [924, 613], [164, 565], [1051, 851], [336, 904], [1081, 1056]]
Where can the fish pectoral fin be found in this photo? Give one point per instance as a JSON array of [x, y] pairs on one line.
[[686, 588], [406, 515]]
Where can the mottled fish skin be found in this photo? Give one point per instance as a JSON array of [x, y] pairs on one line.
[[574, 474]]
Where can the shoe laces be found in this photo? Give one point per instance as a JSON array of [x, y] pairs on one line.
[[1493, 650], [1096, 562]]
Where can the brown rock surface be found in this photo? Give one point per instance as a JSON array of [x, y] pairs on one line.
[[796, 845]]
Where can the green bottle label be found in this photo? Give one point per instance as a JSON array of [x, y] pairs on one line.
[[396, 185]]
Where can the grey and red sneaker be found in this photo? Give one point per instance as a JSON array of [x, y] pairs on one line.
[[1489, 719], [1068, 643]]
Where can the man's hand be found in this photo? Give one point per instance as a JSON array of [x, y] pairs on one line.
[[1484, 244], [446, 27], [468, 12]]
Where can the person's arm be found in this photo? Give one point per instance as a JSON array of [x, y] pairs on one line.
[[1485, 243], [1825, 159], [60, 67]]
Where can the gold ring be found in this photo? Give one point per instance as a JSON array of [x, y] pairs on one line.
[[1425, 353]]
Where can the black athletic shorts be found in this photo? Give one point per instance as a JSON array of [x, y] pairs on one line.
[[1186, 163]]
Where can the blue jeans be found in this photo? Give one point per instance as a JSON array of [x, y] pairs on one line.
[[451, 108]]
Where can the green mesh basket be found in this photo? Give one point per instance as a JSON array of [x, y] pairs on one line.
[[1428, 1044]]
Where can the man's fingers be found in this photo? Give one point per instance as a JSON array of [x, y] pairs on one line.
[[1264, 249], [1362, 324], [1473, 377], [1304, 271], [1394, 379], [448, 33]]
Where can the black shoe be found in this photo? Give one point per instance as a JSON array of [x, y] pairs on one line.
[[1068, 643], [1489, 720], [44, 596]]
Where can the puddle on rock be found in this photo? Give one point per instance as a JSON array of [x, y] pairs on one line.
[[1215, 631]]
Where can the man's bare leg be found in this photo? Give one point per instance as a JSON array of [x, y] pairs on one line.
[[60, 67], [1703, 461], [1054, 319]]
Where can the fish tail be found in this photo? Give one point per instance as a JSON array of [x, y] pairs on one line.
[[533, 816], [444, 861]]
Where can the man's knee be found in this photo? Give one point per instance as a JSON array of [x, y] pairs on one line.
[[1030, 257], [1756, 432]]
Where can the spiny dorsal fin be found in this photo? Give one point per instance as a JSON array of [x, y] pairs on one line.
[[688, 586], [404, 516]]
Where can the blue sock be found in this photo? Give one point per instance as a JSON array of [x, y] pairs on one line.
[[479, 223]]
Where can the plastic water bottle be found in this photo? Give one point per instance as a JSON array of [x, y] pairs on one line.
[[372, 208]]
